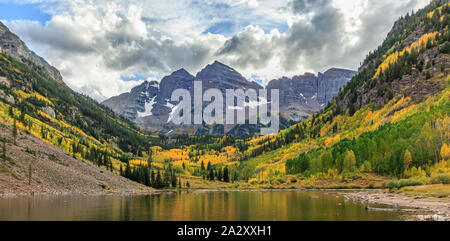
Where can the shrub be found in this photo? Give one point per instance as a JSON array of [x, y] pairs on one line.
[[443, 178], [297, 165], [104, 186], [235, 186], [445, 49], [403, 183], [366, 167]]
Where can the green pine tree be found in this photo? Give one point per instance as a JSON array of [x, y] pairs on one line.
[[226, 175], [30, 173]]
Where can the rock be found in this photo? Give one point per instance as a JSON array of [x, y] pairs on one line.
[[15, 47], [7, 98], [49, 111], [434, 217], [305, 94], [330, 82], [5, 81]]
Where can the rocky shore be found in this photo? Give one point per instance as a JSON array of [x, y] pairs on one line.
[[440, 210]]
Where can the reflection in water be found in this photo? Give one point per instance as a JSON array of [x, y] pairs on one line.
[[194, 206]]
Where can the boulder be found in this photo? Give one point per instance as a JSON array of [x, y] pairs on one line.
[[6, 97], [5, 81], [49, 111]]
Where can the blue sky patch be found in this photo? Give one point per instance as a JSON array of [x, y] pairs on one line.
[[225, 28], [282, 27], [256, 78], [12, 11], [134, 77]]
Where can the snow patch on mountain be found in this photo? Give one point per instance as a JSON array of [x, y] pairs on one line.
[[148, 108], [174, 110]]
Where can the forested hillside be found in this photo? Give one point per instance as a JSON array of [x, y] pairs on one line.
[[392, 118], [39, 105]]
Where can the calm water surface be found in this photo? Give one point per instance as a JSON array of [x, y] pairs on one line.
[[196, 206]]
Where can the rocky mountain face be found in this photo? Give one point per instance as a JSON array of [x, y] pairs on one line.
[[150, 107], [220, 76], [14, 46], [303, 95]]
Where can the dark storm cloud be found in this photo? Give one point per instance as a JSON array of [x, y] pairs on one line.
[[319, 40], [309, 42], [147, 55], [310, 39]]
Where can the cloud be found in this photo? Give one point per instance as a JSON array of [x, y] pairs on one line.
[[371, 23], [312, 42], [95, 42], [251, 48], [308, 6], [317, 32], [322, 34], [93, 57]]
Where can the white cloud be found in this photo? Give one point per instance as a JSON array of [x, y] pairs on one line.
[[95, 42]]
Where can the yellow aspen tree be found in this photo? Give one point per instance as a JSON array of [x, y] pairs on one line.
[[445, 152], [407, 159], [349, 161]]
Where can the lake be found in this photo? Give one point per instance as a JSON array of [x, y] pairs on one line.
[[197, 206]]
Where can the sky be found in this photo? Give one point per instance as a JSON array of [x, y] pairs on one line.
[[104, 48]]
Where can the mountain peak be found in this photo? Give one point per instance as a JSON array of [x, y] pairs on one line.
[[182, 72], [217, 63], [219, 70], [337, 72], [333, 70]]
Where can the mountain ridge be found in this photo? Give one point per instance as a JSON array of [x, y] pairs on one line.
[[136, 105], [13, 45]]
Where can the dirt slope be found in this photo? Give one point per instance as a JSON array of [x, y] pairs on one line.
[[53, 171]]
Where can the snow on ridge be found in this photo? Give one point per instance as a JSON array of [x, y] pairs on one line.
[[148, 108], [301, 95], [168, 104], [174, 110]]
